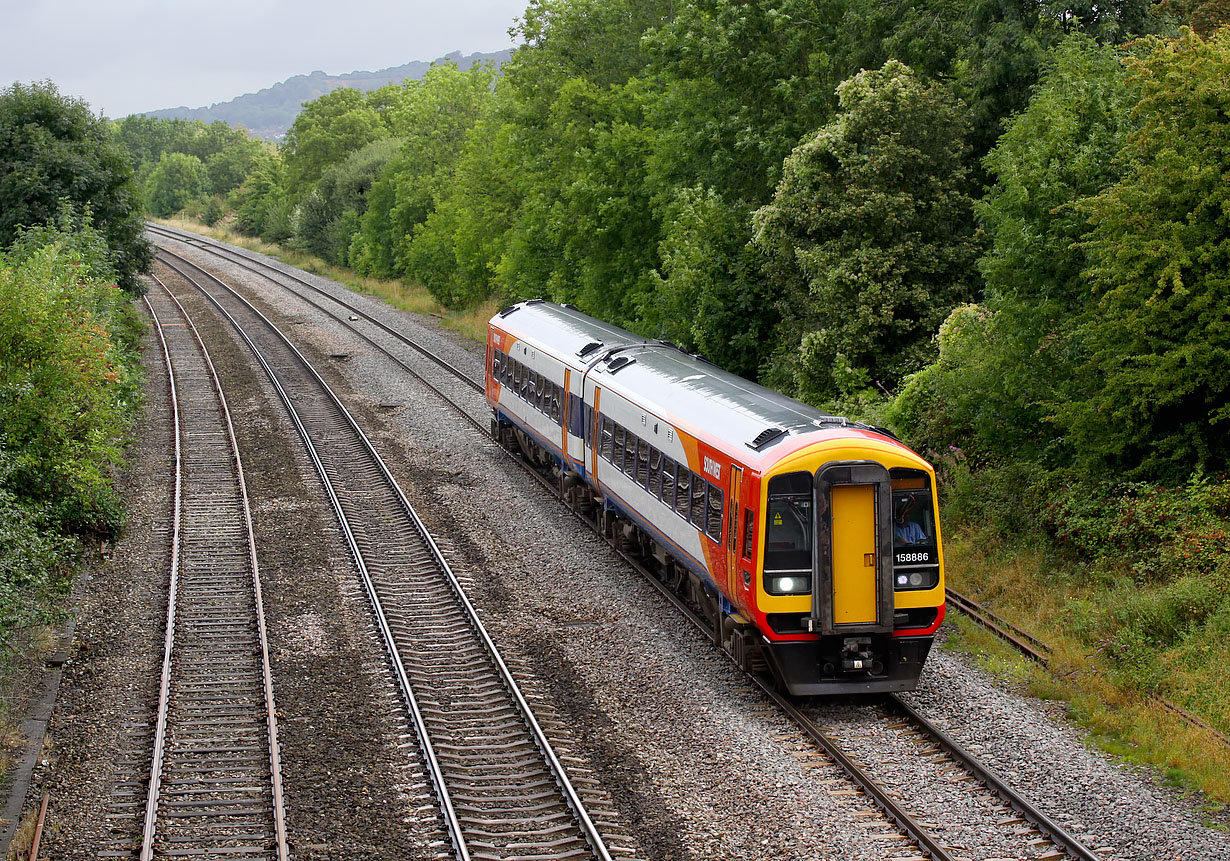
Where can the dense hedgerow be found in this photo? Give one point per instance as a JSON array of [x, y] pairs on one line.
[[68, 387]]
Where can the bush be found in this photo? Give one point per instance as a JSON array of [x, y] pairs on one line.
[[1160, 555], [66, 384], [30, 556]]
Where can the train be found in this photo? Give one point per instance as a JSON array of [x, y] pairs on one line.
[[808, 542]]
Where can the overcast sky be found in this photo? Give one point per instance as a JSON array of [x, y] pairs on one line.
[[129, 56]]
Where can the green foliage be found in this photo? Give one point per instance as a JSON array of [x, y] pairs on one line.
[[261, 197], [1006, 364], [457, 248], [326, 131], [434, 117], [67, 384], [53, 149], [177, 179], [1156, 401], [208, 210], [226, 154], [1161, 553], [329, 214], [870, 237], [710, 295], [30, 556], [68, 387]]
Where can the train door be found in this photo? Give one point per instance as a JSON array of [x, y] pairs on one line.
[[732, 531], [854, 554], [853, 549], [595, 439], [565, 444]]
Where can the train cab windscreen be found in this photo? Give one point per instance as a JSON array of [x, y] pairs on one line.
[[915, 554], [788, 535]]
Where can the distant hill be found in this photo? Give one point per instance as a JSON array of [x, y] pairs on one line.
[[269, 113]]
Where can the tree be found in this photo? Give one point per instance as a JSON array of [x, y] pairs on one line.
[[1157, 400], [1005, 366], [177, 179], [261, 193], [326, 131], [710, 295], [870, 238], [53, 149], [433, 118], [329, 215], [456, 250]]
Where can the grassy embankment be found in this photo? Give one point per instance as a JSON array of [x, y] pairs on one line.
[[1129, 590], [1118, 636]]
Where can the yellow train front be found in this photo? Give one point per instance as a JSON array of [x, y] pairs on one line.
[[810, 542]]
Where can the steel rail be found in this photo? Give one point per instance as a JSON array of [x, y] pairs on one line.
[[1051, 829], [218, 250], [1022, 640], [281, 844], [893, 811], [164, 690], [572, 799]]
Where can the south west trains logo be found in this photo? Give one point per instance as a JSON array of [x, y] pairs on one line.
[[713, 468]]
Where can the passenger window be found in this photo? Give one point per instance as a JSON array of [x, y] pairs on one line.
[[655, 471], [697, 514], [629, 466], [749, 530], [496, 363], [607, 442], [618, 459], [557, 404], [714, 525], [682, 494], [668, 481], [642, 464]]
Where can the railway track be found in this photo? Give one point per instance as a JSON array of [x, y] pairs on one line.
[[502, 791], [1042, 829], [336, 307], [212, 782]]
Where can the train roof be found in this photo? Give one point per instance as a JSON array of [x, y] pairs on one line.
[[670, 382], [563, 330]]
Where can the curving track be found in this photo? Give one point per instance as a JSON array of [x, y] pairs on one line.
[[1041, 838], [502, 791], [213, 784]]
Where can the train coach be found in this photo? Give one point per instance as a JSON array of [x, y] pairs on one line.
[[810, 542]]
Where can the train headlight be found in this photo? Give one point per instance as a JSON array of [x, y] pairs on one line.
[[917, 578], [787, 584]]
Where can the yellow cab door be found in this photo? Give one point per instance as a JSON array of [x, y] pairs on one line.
[[854, 554], [853, 549]]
